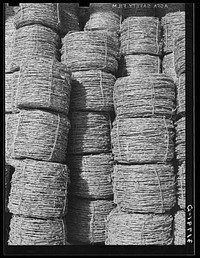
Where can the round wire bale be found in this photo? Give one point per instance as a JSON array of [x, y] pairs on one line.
[[180, 139], [144, 188], [92, 90], [138, 9], [50, 85], [181, 186], [142, 63], [90, 175], [89, 50], [143, 140], [138, 229], [39, 189], [179, 55], [156, 97], [41, 135], [168, 66], [179, 228], [140, 35], [32, 231], [173, 24], [181, 96], [34, 41], [90, 133], [162, 9], [86, 220]]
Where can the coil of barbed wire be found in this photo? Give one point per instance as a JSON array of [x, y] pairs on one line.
[[156, 97], [32, 231], [138, 229], [140, 35], [142, 140], [39, 189], [181, 96], [86, 220], [179, 55], [89, 50], [180, 141], [144, 188], [92, 90], [168, 66], [179, 228], [50, 83], [181, 186], [40, 135], [89, 133], [90, 175]]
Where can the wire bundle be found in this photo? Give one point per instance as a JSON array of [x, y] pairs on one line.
[[181, 94], [41, 135], [138, 229], [180, 139], [179, 55], [144, 188], [91, 175], [50, 85], [168, 66], [140, 35], [90, 132], [86, 220], [92, 90], [31, 231], [179, 228], [181, 186], [155, 97], [140, 140], [89, 50]]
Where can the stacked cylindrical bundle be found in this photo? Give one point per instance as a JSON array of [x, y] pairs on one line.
[[37, 135]]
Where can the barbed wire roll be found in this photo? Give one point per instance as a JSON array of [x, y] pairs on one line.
[[92, 90], [138, 10], [50, 85], [181, 96], [179, 228], [138, 229], [140, 35], [180, 139], [142, 140], [134, 64], [179, 55], [89, 50], [34, 41], [181, 186], [90, 175], [86, 220], [144, 188], [41, 135], [162, 10], [90, 132], [156, 97], [173, 24], [32, 231], [168, 66], [39, 189]]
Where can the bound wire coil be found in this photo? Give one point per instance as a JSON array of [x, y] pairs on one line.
[[32, 231], [50, 83], [140, 35], [179, 55], [156, 97], [181, 96], [39, 189], [142, 140], [179, 228], [144, 188], [141, 63], [168, 66], [90, 132], [181, 186], [92, 90], [180, 143], [138, 228], [41, 135], [34, 41], [137, 10], [86, 220], [90, 175], [89, 50]]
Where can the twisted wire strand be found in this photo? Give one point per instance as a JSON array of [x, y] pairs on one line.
[[92, 90], [179, 55], [142, 140], [39, 189], [181, 186], [181, 95], [179, 228], [156, 97], [168, 66], [90, 175], [90, 132], [144, 188], [32, 231], [86, 220], [180, 143], [138, 229]]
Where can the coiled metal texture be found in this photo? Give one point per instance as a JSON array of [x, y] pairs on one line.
[[180, 143], [179, 228], [181, 186], [181, 95], [179, 55], [168, 66]]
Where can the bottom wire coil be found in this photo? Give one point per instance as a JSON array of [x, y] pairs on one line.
[[179, 228]]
